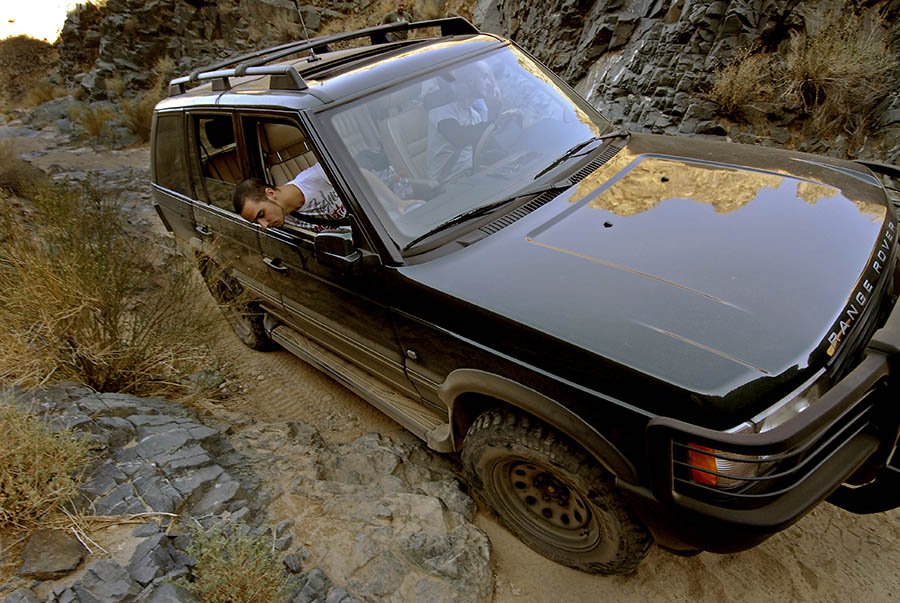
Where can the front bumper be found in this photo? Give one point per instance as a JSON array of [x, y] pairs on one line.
[[842, 446]]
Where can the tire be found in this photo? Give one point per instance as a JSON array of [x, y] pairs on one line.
[[244, 316], [552, 495]]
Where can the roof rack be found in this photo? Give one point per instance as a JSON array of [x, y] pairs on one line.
[[286, 77]]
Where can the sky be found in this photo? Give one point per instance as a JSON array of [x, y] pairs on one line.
[[40, 19]]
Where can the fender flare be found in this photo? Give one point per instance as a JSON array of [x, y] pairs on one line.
[[462, 382]]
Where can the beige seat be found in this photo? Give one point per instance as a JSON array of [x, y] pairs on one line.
[[407, 142], [356, 129], [285, 151], [224, 166]]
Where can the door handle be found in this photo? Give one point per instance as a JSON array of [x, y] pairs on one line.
[[203, 229], [275, 264]]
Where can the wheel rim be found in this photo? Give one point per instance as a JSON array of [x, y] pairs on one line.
[[545, 505]]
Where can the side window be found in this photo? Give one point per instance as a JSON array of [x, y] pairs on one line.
[[217, 151], [282, 154], [283, 151], [170, 167]]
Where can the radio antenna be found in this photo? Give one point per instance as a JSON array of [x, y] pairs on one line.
[[312, 53]]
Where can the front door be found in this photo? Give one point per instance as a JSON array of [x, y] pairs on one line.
[[225, 237], [346, 313]]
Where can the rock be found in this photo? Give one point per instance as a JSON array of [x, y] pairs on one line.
[[293, 562], [50, 554], [22, 595], [106, 580], [169, 593]]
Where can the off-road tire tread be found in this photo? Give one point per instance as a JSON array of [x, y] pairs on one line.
[[501, 428]]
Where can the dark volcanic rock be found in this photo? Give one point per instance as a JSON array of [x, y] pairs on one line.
[[50, 554]]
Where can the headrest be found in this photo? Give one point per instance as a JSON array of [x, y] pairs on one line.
[[278, 137], [219, 132]]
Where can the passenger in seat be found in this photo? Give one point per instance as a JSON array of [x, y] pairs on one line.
[[310, 192], [454, 128]]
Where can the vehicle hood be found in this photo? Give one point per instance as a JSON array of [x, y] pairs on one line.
[[708, 269]]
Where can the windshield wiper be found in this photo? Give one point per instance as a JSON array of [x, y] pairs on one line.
[[573, 151], [483, 210]]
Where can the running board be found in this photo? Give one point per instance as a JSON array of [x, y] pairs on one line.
[[425, 423]]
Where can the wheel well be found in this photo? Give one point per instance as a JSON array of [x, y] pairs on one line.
[[467, 407]]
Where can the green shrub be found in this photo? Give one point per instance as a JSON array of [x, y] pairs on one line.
[[235, 568], [37, 468], [84, 300]]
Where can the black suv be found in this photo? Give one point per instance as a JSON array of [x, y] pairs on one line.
[[628, 338]]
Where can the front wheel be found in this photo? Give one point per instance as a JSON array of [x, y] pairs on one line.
[[552, 495], [243, 315]]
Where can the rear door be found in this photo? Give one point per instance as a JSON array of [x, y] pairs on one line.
[[172, 191], [218, 166]]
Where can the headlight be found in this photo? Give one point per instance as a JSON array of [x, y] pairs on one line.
[[727, 470]]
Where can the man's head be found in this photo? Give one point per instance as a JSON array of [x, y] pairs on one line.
[[255, 201]]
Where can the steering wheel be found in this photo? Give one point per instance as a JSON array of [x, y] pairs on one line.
[[499, 125]]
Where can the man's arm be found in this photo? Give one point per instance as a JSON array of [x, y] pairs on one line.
[[458, 135]]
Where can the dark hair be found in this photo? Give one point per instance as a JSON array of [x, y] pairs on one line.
[[253, 189]]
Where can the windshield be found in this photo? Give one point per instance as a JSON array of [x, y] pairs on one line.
[[461, 138]]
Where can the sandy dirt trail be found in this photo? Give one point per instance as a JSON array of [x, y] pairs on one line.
[[830, 555]]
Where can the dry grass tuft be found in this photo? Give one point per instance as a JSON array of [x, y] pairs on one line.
[[42, 92], [260, 576], [137, 114], [93, 119], [83, 300], [16, 175], [744, 83], [115, 86], [37, 469]]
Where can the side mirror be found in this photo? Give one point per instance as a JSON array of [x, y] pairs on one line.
[[336, 249]]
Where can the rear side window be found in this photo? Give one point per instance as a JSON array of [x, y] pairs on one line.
[[220, 163], [169, 157]]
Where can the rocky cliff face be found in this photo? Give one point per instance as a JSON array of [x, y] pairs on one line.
[[141, 40], [649, 64]]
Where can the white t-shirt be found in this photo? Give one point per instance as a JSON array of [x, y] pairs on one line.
[[440, 150], [321, 198]]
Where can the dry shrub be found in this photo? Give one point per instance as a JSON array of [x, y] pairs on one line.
[[41, 93], [25, 63], [16, 175], [745, 83], [115, 86], [834, 77], [37, 468], [837, 74], [235, 568], [84, 301], [137, 114], [93, 119]]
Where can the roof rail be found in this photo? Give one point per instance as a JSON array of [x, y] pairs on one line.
[[287, 76]]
